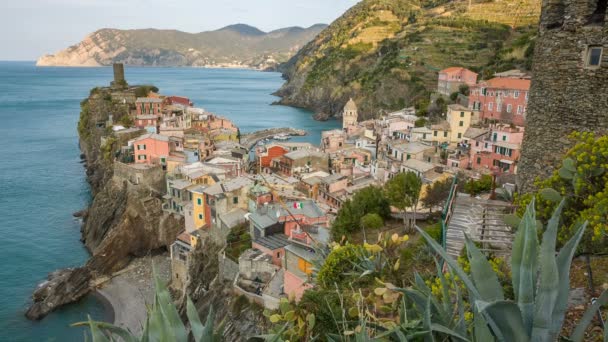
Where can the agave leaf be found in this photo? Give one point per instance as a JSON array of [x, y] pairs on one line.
[[447, 331], [451, 262], [96, 334], [171, 317], [426, 321], [564, 260], [461, 326], [110, 328], [548, 284], [195, 321], [481, 326], [524, 266], [550, 194], [506, 318], [483, 275], [207, 334], [579, 331], [157, 330]]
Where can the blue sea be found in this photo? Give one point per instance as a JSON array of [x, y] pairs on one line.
[[42, 181]]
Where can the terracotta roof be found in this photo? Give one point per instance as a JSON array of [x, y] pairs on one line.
[[508, 83], [454, 69]]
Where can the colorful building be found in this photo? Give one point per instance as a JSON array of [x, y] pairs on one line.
[[151, 148], [460, 119], [450, 80], [149, 106], [501, 99]]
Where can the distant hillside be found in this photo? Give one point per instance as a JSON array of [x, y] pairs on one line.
[[386, 53], [237, 45]]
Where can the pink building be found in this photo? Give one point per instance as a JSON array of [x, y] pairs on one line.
[[451, 79], [151, 148], [501, 99], [500, 148], [332, 141]]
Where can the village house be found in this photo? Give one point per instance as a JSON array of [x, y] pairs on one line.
[[403, 150], [151, 149], [149, 106], [332, 189], [227, 203], [184, 101], [332, 141], [450, 80], [501, 99], [460, 119], [302, 161]]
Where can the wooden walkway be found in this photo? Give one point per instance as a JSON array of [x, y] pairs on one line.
[[482, 220]]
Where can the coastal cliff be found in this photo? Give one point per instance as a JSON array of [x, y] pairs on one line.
[[235, 46], [386, 54], [124, 220]]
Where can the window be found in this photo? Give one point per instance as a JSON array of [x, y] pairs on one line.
[[199, 201], [408, 157], [594, 57], [478, 160], [462, 114], [490, 106], [485, 145], [435, 133], [526, 96], [235, 200], [516, 93], [499, 107], [423, 135], [509, 108], [483, 91], [200, 216], [445, 134], [278, 254], [461, 123], [504, 138], [459, 135], [494, 137], [520, 110]]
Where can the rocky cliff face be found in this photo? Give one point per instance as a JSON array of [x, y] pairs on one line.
[[386, 54], [232, 46], [124, 220], [241, 319]]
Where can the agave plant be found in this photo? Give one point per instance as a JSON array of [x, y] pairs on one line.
[[541, 283], [162, 324]]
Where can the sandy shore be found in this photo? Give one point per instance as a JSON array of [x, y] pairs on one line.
[[130, 292]]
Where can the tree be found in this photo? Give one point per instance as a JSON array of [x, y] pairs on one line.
[[370, 200], [464, 89], [371, 221], [420, 122], [475, 187], [437, 193], [403, 192]]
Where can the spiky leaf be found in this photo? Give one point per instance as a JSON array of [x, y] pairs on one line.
[[506, 318], [579, 331], [483, 275]]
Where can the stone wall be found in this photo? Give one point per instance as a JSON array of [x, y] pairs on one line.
[[228, 269], [144, 176], [566, 95]]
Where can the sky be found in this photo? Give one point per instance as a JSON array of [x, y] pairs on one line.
[[31, 28]]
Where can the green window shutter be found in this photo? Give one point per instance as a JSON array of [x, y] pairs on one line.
[[199, 201]]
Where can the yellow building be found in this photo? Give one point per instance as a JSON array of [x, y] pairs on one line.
[[460, 119], [198, 207], [441, 133]]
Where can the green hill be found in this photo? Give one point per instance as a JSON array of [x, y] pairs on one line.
[[386, 53], [235, 45]]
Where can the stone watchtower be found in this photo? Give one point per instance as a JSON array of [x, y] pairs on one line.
[[119, 76], [349, 116], [569, 90]]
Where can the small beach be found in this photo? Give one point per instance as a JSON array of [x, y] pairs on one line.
[[131, 291]]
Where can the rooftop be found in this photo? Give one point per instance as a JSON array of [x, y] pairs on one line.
[[273, 242], [294, 155], [418, 165], [507, 83], [454, 70], [154, 136], [473, 132], [149, 100]]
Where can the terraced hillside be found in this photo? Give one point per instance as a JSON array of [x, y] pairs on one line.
[[386, 53]]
